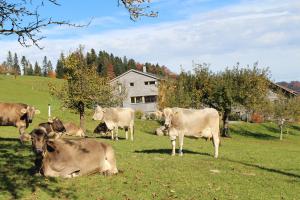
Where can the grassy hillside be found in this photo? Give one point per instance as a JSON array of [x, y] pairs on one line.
[[254, 164]]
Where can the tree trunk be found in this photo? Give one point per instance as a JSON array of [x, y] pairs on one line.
[[81, 115], [82, 121], [225, 131]]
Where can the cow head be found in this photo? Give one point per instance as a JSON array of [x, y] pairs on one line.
[[99, 113], [29, 111], [39, 139], [57, 125], [168, 114]]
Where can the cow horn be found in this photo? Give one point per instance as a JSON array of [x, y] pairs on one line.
[[50, 120]]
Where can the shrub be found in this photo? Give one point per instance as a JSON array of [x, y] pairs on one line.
[[139, 114], [257, 118]]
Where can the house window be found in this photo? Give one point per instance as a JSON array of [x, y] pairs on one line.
[[136, 99], [132, 99], [150, 99], [149, 82], [131, 84]]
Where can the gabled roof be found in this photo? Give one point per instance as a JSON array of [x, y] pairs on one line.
[[285, 90], [138, 72]]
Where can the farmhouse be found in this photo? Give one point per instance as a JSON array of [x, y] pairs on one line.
[[141, 89]]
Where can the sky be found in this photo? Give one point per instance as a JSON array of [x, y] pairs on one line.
[[218, 32]]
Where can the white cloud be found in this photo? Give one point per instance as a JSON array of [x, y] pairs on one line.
[[265, 31]]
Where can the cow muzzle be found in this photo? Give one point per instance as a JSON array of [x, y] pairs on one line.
[[39, 150]]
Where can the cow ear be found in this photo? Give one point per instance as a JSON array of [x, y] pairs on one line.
[[37, 112], [24, 110]]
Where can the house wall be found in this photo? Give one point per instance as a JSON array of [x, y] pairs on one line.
[[139, 89]]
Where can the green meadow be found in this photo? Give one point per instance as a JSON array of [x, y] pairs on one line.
[[253, 164]]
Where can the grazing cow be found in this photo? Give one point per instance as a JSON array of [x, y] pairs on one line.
[[38, 139], [190, 122], [73, 130], [70, 158], [54, 127], [101, 129], [115, 118], [19, 115]]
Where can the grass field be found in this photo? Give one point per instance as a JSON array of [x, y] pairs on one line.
[[253, 164]]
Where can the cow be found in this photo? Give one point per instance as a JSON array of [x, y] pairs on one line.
[[190, 122], [73, 130], [54, 127], [115, 118], [161, 131], [101, 129], [19, 115], [71, 158]]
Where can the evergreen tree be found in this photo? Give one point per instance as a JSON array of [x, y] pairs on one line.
[[131, 64], [37, 70], [49, 66], [60, 66], [9, 61], [30, 69], [24, 64], [16, 65], [45, 66]]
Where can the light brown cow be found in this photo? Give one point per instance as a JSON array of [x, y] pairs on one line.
[[190, 122], [71, 158], [115, 118], [18, 115], [73, 130]]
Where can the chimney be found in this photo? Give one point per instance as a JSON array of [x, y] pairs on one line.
[[144, 69]]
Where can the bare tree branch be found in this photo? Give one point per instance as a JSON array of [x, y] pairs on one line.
[[24, 21]]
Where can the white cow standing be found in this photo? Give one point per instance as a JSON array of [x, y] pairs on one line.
[[192, 122], [116, 118]]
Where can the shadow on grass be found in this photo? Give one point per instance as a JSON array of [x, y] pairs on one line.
[[168, 151], [107, 137], [16, 176], [249, 133], [293, 175]]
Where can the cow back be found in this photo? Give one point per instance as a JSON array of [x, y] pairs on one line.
[[10, 114], [193, 121]]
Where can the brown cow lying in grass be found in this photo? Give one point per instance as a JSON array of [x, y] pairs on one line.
[[71, 158]]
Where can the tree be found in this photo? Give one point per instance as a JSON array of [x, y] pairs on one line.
[[16, 66], [45, 66], [84, 87], [37, 70], [9, 61], [49, 67], [60, 66], [30, 69], [285, 110], [24, 64], [22, 18]]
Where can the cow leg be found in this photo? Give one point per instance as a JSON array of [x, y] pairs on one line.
[[126, 133], [131, 132], [180, 137], [112, 134], [216, 142], [117, 130], [23, 136], [173, 142]]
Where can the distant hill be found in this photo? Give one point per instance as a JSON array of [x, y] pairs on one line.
[[293, 85]]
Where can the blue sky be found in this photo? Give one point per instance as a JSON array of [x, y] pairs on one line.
[[221, 33]]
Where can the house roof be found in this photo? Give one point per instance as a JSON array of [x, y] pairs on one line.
[[285, 90], [138, 72]]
